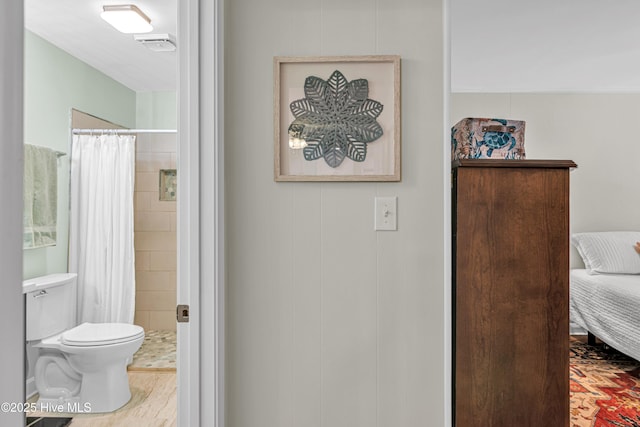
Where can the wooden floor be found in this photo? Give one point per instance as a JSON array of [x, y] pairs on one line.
[[152, 404]]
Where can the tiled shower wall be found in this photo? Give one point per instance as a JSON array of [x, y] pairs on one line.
[[155, 234]]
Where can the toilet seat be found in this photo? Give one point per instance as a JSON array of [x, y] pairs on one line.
[[99, 334]]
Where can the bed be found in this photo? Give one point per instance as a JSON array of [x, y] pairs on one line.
[[604, 297], [608, 306]]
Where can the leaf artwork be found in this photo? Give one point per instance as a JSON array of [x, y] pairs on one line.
[[336, 119]]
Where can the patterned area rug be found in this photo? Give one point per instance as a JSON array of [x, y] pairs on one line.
[[157, 353], [604, 387]]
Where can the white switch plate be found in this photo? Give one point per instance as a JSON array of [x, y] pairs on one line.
[[386, 213]]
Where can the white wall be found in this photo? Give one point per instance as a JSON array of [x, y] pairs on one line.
[[330, 322], [597, 131], [11, 157], [545, 46]]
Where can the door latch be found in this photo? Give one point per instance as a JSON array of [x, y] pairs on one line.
[[182, 313]]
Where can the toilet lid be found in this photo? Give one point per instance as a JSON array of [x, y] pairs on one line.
[[91, 334]]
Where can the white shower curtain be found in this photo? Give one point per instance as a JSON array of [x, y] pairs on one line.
[[101, 247]]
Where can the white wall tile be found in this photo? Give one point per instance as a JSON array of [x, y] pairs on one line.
[[154, 221], [162, 320], [155, 234], [155, 240], [156, 281], [156, 143], [155, 300], [147, 181], [152, 162], [163, 261], [141, 318]]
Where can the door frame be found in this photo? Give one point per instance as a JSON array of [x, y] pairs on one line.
[[200, 355], [447, 345], [12, 363], [200, 222], [200, 212]]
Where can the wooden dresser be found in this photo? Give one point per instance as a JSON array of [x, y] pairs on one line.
[[511, 293]]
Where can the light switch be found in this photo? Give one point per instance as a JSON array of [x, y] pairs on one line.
[[386, 213]]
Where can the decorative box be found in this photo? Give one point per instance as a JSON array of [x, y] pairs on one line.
[[480, 138]]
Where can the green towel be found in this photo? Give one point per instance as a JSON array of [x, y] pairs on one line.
[[40, 196]]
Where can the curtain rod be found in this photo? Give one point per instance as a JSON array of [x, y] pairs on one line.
[[82, 131]]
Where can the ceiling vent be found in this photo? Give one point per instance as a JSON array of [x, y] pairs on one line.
[[157, 42]]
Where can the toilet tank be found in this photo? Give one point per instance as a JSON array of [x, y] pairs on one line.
[[50, 304]]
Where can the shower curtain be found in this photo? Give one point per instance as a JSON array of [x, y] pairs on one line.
[[101, 247]]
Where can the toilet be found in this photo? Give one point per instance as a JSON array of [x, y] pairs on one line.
[[81, 367]]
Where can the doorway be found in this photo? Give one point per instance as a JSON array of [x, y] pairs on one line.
[[188, 223], [152, 372], [201, 67]]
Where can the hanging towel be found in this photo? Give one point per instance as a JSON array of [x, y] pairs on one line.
[[40, 196]]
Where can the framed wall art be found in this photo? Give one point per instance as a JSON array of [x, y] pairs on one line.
[[337, 118]]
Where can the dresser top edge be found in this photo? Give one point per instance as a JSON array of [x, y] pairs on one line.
[[502, 163]]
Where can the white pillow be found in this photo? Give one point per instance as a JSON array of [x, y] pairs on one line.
[[608, 251]]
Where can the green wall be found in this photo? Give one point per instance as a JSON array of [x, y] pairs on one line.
[[56, 82], [156, 110]]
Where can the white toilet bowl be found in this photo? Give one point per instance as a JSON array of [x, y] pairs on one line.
[[86, 367], [79, 368]]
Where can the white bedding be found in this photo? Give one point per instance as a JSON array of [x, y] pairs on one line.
[[608, 306]]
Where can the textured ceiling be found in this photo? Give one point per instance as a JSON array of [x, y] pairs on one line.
[[75, 26]]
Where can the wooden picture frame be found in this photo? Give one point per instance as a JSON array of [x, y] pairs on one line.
[[337, 118]]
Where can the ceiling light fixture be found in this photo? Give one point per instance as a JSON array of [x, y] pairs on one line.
[[126, 18]]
